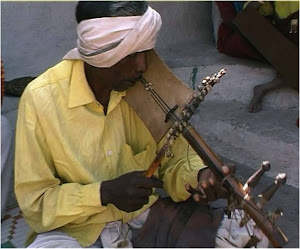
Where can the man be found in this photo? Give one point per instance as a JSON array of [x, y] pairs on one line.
[[81, 150]]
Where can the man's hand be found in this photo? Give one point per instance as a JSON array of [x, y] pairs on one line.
[[209, 188], [129, 192]]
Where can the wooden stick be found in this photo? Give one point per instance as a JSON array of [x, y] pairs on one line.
[[157, 160]]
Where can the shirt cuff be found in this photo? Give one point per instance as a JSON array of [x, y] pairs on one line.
[[91, 195]]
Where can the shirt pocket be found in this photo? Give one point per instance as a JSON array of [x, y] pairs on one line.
[[129, 161]]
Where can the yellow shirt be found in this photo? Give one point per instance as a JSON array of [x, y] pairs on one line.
[[286, 8], [66, 146], [282, 8]]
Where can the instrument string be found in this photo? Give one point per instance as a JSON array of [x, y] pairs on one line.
[[161, 103], [173, 117], [248, 227]]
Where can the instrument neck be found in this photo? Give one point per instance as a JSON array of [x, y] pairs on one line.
[[209, 158]]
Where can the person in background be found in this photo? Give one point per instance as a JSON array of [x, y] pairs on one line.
[[284, 16]]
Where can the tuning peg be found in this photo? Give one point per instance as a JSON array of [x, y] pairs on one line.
[[254, 179], [275, 215], [204, 92], [270, 191], [171, 140], [169, 153], [198, 96], [222, 71], [195, 101], [188, 115], [217, 80], [213, 78], [172, 131], [208, 87], [200, 88], [178, 126], [204, 82]]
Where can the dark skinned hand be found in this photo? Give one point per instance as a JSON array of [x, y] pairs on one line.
[[129, 192], [209, 188]]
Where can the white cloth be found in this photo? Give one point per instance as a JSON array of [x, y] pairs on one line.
[[216, 20], [115, 234], [231, 235], [102, 42], [54, 239], [6, 160]]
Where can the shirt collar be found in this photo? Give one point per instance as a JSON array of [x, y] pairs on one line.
[[80, 91], [115, 98]]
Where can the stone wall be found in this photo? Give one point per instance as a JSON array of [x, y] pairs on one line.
[[36, 35]]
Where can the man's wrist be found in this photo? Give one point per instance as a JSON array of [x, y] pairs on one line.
[[104, 193]]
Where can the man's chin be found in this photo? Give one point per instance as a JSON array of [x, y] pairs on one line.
[[126, 85], [131, 84], [124, 88]]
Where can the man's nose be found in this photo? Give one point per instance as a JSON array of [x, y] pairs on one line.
[[142, 64]]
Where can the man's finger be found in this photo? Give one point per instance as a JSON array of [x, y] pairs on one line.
[[190, 189], [209, 192], [198, 195]]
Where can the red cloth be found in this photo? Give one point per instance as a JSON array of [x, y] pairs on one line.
[[230, 41]]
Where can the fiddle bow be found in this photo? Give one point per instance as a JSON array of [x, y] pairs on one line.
[[239, 194]]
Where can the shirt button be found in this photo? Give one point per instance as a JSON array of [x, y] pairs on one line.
[[109, 152]]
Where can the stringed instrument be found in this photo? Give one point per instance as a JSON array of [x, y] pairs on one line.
[[179, 116], [239, 194]]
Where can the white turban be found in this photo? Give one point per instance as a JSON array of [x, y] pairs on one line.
[[102, 42]]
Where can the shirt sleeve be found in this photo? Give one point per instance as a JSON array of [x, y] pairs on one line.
[[46, 201], [181, 169]]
